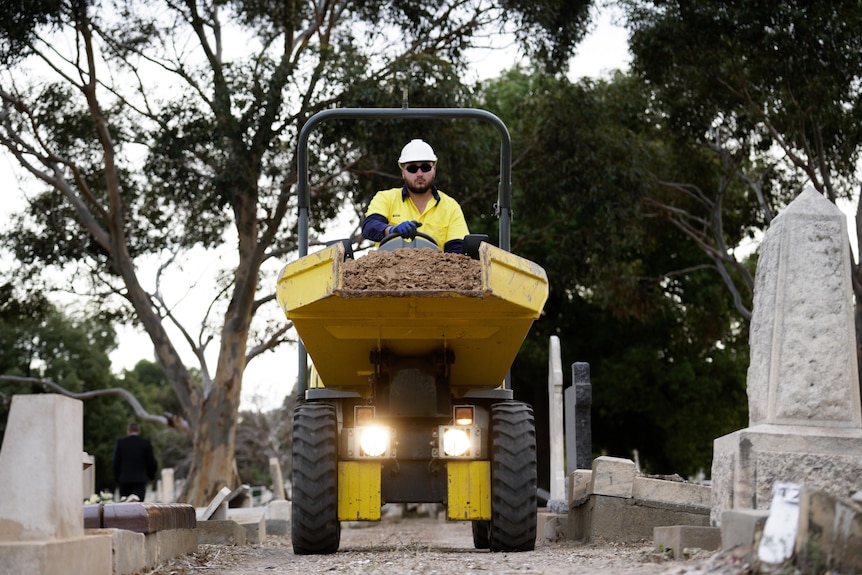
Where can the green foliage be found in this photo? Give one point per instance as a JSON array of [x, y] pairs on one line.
[[550, 29], [769, 73], [39, 341], [45, 343], [577, 179], [21, 20], [20, 315], [665, 347]]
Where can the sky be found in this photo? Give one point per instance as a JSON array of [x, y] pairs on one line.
[[271, 376]]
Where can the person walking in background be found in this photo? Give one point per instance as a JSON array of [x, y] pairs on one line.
[[134, 463]]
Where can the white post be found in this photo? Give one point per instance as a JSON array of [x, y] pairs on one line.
[[166, 493], [555, 398]]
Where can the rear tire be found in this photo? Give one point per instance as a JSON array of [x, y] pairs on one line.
[[315, 528], [513, 478]]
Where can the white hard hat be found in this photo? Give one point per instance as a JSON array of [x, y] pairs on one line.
[[417, 151]]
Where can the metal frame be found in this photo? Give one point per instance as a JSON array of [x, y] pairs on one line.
[[504, 194]]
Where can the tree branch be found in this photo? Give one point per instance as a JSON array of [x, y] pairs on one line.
[[168, 419]]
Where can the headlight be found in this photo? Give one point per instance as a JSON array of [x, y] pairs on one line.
[[373, 440], [456, 442]]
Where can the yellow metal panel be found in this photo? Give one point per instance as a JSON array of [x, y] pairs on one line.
[[484, 328], [310, 278], [358, 490], [411, 332], [469, 490], [514, 279]]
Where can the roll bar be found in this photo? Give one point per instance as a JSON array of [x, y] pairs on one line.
[[504, 196], [504, 193]]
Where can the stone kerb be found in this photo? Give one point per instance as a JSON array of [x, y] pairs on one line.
[[278, 517], [143, 534], [253, 520], [613, 476], [223, 523], [680, 493], [613, 502], [805, 419]]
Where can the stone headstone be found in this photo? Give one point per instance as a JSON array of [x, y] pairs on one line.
[[805, 420], [613, 476], [41, 475], [578, 405], [253, 520], [41, 469], [217, 509], [279, 509]]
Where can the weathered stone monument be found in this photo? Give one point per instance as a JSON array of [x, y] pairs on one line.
[[805, 419]]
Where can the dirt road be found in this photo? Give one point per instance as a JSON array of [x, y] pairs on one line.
[[424, 546]]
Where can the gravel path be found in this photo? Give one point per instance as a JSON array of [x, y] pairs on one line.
[[423, 546]]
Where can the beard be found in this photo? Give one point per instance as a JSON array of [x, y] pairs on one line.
[[420, 189]]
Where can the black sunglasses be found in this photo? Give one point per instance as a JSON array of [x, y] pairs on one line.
[[413, 168]]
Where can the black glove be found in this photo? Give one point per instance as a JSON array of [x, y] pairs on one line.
[[406, 229]]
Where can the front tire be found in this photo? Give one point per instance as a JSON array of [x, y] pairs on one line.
[[315, 528], [513, 478]]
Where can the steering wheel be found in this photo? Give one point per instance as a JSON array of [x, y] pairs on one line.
[[395, 241]]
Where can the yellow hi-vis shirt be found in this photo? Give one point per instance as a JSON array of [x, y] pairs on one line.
[[443, 219]]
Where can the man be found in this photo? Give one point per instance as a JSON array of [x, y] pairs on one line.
[[418, 203], [134, 463]]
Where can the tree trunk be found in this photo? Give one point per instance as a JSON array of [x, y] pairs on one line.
[[214, 457], [214, 460]]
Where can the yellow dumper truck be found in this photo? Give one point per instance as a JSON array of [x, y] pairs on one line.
[[408, 400]]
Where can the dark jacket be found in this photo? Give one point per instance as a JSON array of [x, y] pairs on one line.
[[134, 461]]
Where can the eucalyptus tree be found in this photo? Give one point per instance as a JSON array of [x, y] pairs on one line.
[[156, 129], [770, 91]]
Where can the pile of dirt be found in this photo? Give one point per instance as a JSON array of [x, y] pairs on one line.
[[412, 269]]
